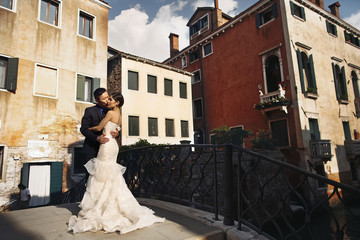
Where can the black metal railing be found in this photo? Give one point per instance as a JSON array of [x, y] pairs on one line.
[[74, 194], [274, 198]]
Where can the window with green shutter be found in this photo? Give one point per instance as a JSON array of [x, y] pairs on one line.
[[56, 179], [85, 87], [314, 129], [306, 72], [266, 16], [331, 28], [8, 73], [340, 83], [152, 84], [297, 10]]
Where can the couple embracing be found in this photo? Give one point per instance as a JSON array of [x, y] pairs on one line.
[[108, 203]]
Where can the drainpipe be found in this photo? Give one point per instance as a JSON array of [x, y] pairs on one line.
[[203, 97]]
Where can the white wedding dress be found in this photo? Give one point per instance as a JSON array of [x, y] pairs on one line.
[[108, 203]]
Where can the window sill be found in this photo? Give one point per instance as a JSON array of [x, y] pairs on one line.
[[345, 102], [311, 95], [299, 18], [273, 19], [49, 24], [352, 44], [333, 35], [91, 39]]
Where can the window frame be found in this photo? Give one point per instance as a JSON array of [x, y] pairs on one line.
[[165, 87], [59, 11], [93, 27], [183, 62], [149, 84], [194, 53], [187, 134], [183, 95], [195, 115], [340, 83], [11, 73], [156, 127], [308, 70], [13, 6], [202, 27], [137, 80], [203, 49], [166, 127], [331, 28], [35, 80], [287, 129], [297, 11], [193, 77], [95, 83], [259, 18], [130, 128]]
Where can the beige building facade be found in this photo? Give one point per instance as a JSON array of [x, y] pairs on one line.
[[158, 99], [52, 56]]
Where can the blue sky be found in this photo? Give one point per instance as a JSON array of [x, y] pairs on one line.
[[142, 27]]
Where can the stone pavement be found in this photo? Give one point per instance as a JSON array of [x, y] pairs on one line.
[[49, 223]]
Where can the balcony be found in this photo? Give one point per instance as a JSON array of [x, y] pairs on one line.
[[320, 150], [272, 101], [352, 148]]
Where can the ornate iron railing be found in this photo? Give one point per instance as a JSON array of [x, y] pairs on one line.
[[272, 197], [74, 194]]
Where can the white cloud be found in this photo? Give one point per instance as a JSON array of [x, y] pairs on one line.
[[132, 32], [354, 19], [227, 6]]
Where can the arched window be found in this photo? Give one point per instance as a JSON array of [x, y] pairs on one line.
[[273, 75], [340, 82]]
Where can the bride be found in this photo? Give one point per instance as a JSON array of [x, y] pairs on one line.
[[108, 203]]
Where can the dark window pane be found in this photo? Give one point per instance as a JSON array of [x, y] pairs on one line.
[[184, 129], [3, 68], [133, 80], [196, 77], [207, 49], [153, 126], [86, 25], [279, 133], [6, 3], [43, 11], [170, 132], [152, 86], [194, 56], [183, 92], [198, 108], [347, 132], [168, 89], [314, 129], [273, 76], [133, 126]]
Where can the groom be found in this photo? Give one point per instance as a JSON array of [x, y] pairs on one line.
[[92, 117]]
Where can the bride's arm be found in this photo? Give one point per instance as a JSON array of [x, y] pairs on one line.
[[103, 122]]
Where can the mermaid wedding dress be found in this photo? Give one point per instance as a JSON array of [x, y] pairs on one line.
[[108, 203]]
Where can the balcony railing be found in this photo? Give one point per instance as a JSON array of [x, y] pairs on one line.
[[272, 101], [352, 148], [320, 149]]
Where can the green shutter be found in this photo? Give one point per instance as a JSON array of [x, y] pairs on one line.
[[292, 8], [56, 179], [312, 72], [336, 83], [301, 71], [94, 85], [25, 174], [303, 13], [327, 26], [257, 21], [11, 75], [335, 30], [80, 88], [344, 81]]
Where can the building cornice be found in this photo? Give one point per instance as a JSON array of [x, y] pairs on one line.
[[102, 3]]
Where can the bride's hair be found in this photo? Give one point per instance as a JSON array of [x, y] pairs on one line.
[[118, 97]]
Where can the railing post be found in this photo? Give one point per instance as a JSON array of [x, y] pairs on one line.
[[228, 187]]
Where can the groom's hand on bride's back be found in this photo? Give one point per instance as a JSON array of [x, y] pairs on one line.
[[102, 139], [115, 133]]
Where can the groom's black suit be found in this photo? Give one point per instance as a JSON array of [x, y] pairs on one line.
[[92, 117]]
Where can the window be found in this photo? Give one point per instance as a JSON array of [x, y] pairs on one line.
[[168, 87], [184, 128], [273, 75], [194, 56], [314, 129], [86, 25], [169, 128], [355, 82], [183, 61], [152, 84], [199, 25], [8, 73], [198, 113], [351, 38], [297, 10], [307, 73], [49, 12], [266, 16], [347, 132], [196, 77], [279, 133], [7, 4], [340, 83], [331, 28], [79, 160], [207, 49], [183, 90], [134, 126], [152, 127], [133, 80], [2, 156], [46, 81], [85, 87]]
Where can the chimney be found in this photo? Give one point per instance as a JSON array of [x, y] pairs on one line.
[[174, 44], [334, 9], [216, 4]]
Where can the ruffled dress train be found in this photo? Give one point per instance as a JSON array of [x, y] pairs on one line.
[[108, 204]]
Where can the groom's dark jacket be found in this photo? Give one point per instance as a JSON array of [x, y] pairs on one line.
[[92, 117]]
